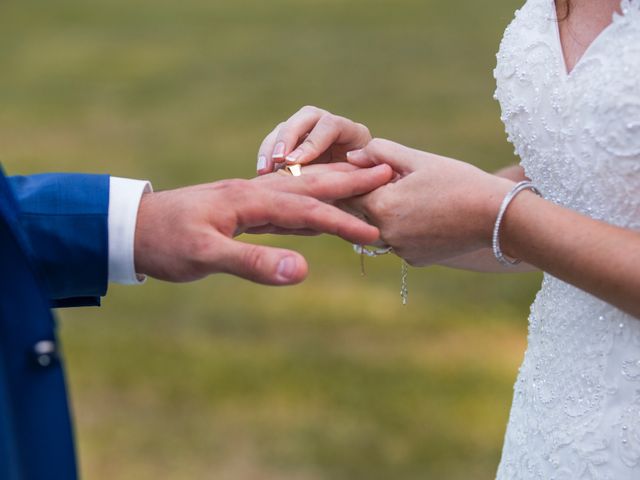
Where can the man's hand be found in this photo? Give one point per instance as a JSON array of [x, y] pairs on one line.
[[187, 234]]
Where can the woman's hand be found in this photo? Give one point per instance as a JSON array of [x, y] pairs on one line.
[[311, 134], [437, 207]]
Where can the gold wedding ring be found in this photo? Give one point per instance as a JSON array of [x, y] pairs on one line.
[[295, 169]]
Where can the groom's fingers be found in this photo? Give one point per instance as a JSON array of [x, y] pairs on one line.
[[319, 168], [295, 212], [339, 185], [299, 232], [336, 182], [266, 265], [274, 266]]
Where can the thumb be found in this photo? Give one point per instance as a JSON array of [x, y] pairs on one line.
[[266, 265], [401, 159]]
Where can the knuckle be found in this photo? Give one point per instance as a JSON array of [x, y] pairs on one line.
[[388, 238], [328, 118], [310, 144], [376, 144], [200, 248], [231, 185], [338, 120], [364, 129], [313, 183], [379, 206], [309, 204], [310, 109], [381, 144], [252, 258], [390, 234], [233, 188], [333, 122]]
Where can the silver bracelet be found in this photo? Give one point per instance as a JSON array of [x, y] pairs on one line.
[[519, 187]]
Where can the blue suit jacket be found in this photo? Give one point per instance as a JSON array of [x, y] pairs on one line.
[[53, 252]]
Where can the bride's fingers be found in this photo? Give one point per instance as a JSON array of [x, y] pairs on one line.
[[402, 159], [265, 152], [329, 130], [298, 125]]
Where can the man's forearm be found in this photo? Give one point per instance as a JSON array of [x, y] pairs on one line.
[[65, 220]]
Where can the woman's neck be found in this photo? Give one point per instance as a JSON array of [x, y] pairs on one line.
[[586, 19]]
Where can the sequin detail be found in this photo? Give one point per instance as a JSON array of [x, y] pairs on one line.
[[576, 405]]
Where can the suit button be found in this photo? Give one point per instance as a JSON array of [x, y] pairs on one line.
[[45, 353]]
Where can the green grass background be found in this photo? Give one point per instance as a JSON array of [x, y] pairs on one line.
[[223, 379]]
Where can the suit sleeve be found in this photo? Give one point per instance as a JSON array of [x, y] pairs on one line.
[[65, 218]]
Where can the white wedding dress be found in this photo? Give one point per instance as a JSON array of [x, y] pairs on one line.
[[576, 405]]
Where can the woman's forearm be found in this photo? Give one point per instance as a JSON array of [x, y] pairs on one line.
[[483, 260], [599, 258]]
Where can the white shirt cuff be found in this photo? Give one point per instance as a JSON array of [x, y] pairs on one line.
[[124, 200]]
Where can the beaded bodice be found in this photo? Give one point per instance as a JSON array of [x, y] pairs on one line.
[[576, 406]]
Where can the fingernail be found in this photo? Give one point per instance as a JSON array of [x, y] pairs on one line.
[[262, 163], [294, 156], [287, 268], [278, 151], [354, 155]]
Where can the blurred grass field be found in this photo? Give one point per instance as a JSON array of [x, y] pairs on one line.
[[223, 379]]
